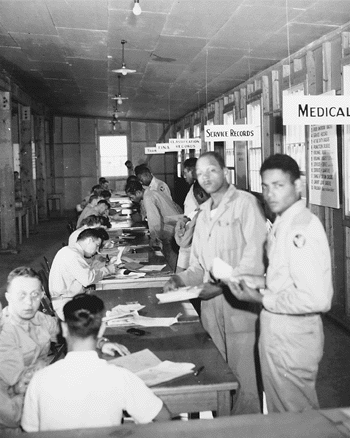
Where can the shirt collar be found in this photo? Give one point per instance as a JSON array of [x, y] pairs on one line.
[[79, 356]]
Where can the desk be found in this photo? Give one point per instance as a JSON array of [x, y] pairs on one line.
[[183, 342], [21, 213], [151, 279], [312, 424]]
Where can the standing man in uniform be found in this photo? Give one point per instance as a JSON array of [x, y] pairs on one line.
[[232, 227], [157, 208], [151, 182], [190, 205], [298, 288]]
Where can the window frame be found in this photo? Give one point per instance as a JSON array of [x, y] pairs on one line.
[[124, 171]]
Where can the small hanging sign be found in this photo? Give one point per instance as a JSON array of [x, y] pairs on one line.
[[230, 132]]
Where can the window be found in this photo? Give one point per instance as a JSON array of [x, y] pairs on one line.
[[346, 146], [113, 154], [230, 149], [197, 134], [294, 140], [254, 146]]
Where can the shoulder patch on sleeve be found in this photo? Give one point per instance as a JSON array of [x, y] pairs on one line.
[[299, 240], [161, 188]]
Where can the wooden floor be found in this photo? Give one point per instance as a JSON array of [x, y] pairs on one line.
[[334, 376]]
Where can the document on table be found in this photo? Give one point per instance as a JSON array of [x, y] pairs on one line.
[[181, 294], [144, 321], [151, 369], [148, 268], [122, 310]]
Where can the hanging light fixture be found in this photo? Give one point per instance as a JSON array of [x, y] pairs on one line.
[[137, 8], [123, 70], [118, 97]]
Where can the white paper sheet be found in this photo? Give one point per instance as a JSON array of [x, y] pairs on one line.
[[122, 310], [181, 294], [151, 369], [143, 321], [164, 372], [148, 268], [223, 271]]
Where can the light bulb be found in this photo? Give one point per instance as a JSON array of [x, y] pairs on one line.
[[137, 8], [119, 101], [124, 72]]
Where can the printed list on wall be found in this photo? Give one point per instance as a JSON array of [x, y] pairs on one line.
[[324, 178]]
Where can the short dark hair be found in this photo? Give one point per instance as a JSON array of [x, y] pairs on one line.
[[93, 196], [282, 162], [83, 315], [102, 234], [216, 156], [105, 221], [102, 180], [133, 186], [92, 220], [22, 271], [131, 178], [96, 189], [105, 194], [103, 201], [89, 232], [199, 193], [190, 163], [142, 169]]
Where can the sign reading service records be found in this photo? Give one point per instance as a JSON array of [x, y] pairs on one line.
[[230, 132]]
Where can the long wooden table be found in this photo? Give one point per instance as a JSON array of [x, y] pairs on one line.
[[330, 423], [135, 248], [186, 341]]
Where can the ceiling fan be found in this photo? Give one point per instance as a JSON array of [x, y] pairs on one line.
[[118, 97], [123, 70]]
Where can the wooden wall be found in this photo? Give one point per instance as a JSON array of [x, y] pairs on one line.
[[319, 67], [73, 158]]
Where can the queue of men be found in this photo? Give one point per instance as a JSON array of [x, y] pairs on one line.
[[279, 285]]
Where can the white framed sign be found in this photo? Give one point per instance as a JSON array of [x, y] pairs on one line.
[[323, 166], [316, 110], [187, 143], [230, 132]]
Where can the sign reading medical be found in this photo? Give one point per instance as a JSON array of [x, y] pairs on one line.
[[316, 110], [229, 132], [187, 143], [323, 166]]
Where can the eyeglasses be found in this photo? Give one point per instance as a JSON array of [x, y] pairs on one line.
[[34, 296]]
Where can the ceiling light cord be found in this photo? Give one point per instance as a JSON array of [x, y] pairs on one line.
[[137, 8]]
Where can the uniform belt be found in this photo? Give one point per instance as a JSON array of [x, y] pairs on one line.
[[295, 314]]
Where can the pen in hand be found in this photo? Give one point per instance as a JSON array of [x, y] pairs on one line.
[[200, 369]]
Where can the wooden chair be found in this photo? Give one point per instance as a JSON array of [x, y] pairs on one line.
[[47, 265], [46, 303]]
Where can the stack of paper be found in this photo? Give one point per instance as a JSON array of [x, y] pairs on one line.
[[151, 369], [181, 294], [223, 271]]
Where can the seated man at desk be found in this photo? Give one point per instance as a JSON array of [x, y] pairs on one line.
[[92, 221], [82, 390], [96, 206], [157, 208], [70, 273], [25, 339]]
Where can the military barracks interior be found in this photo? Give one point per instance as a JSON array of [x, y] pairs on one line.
[[84, 83]]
